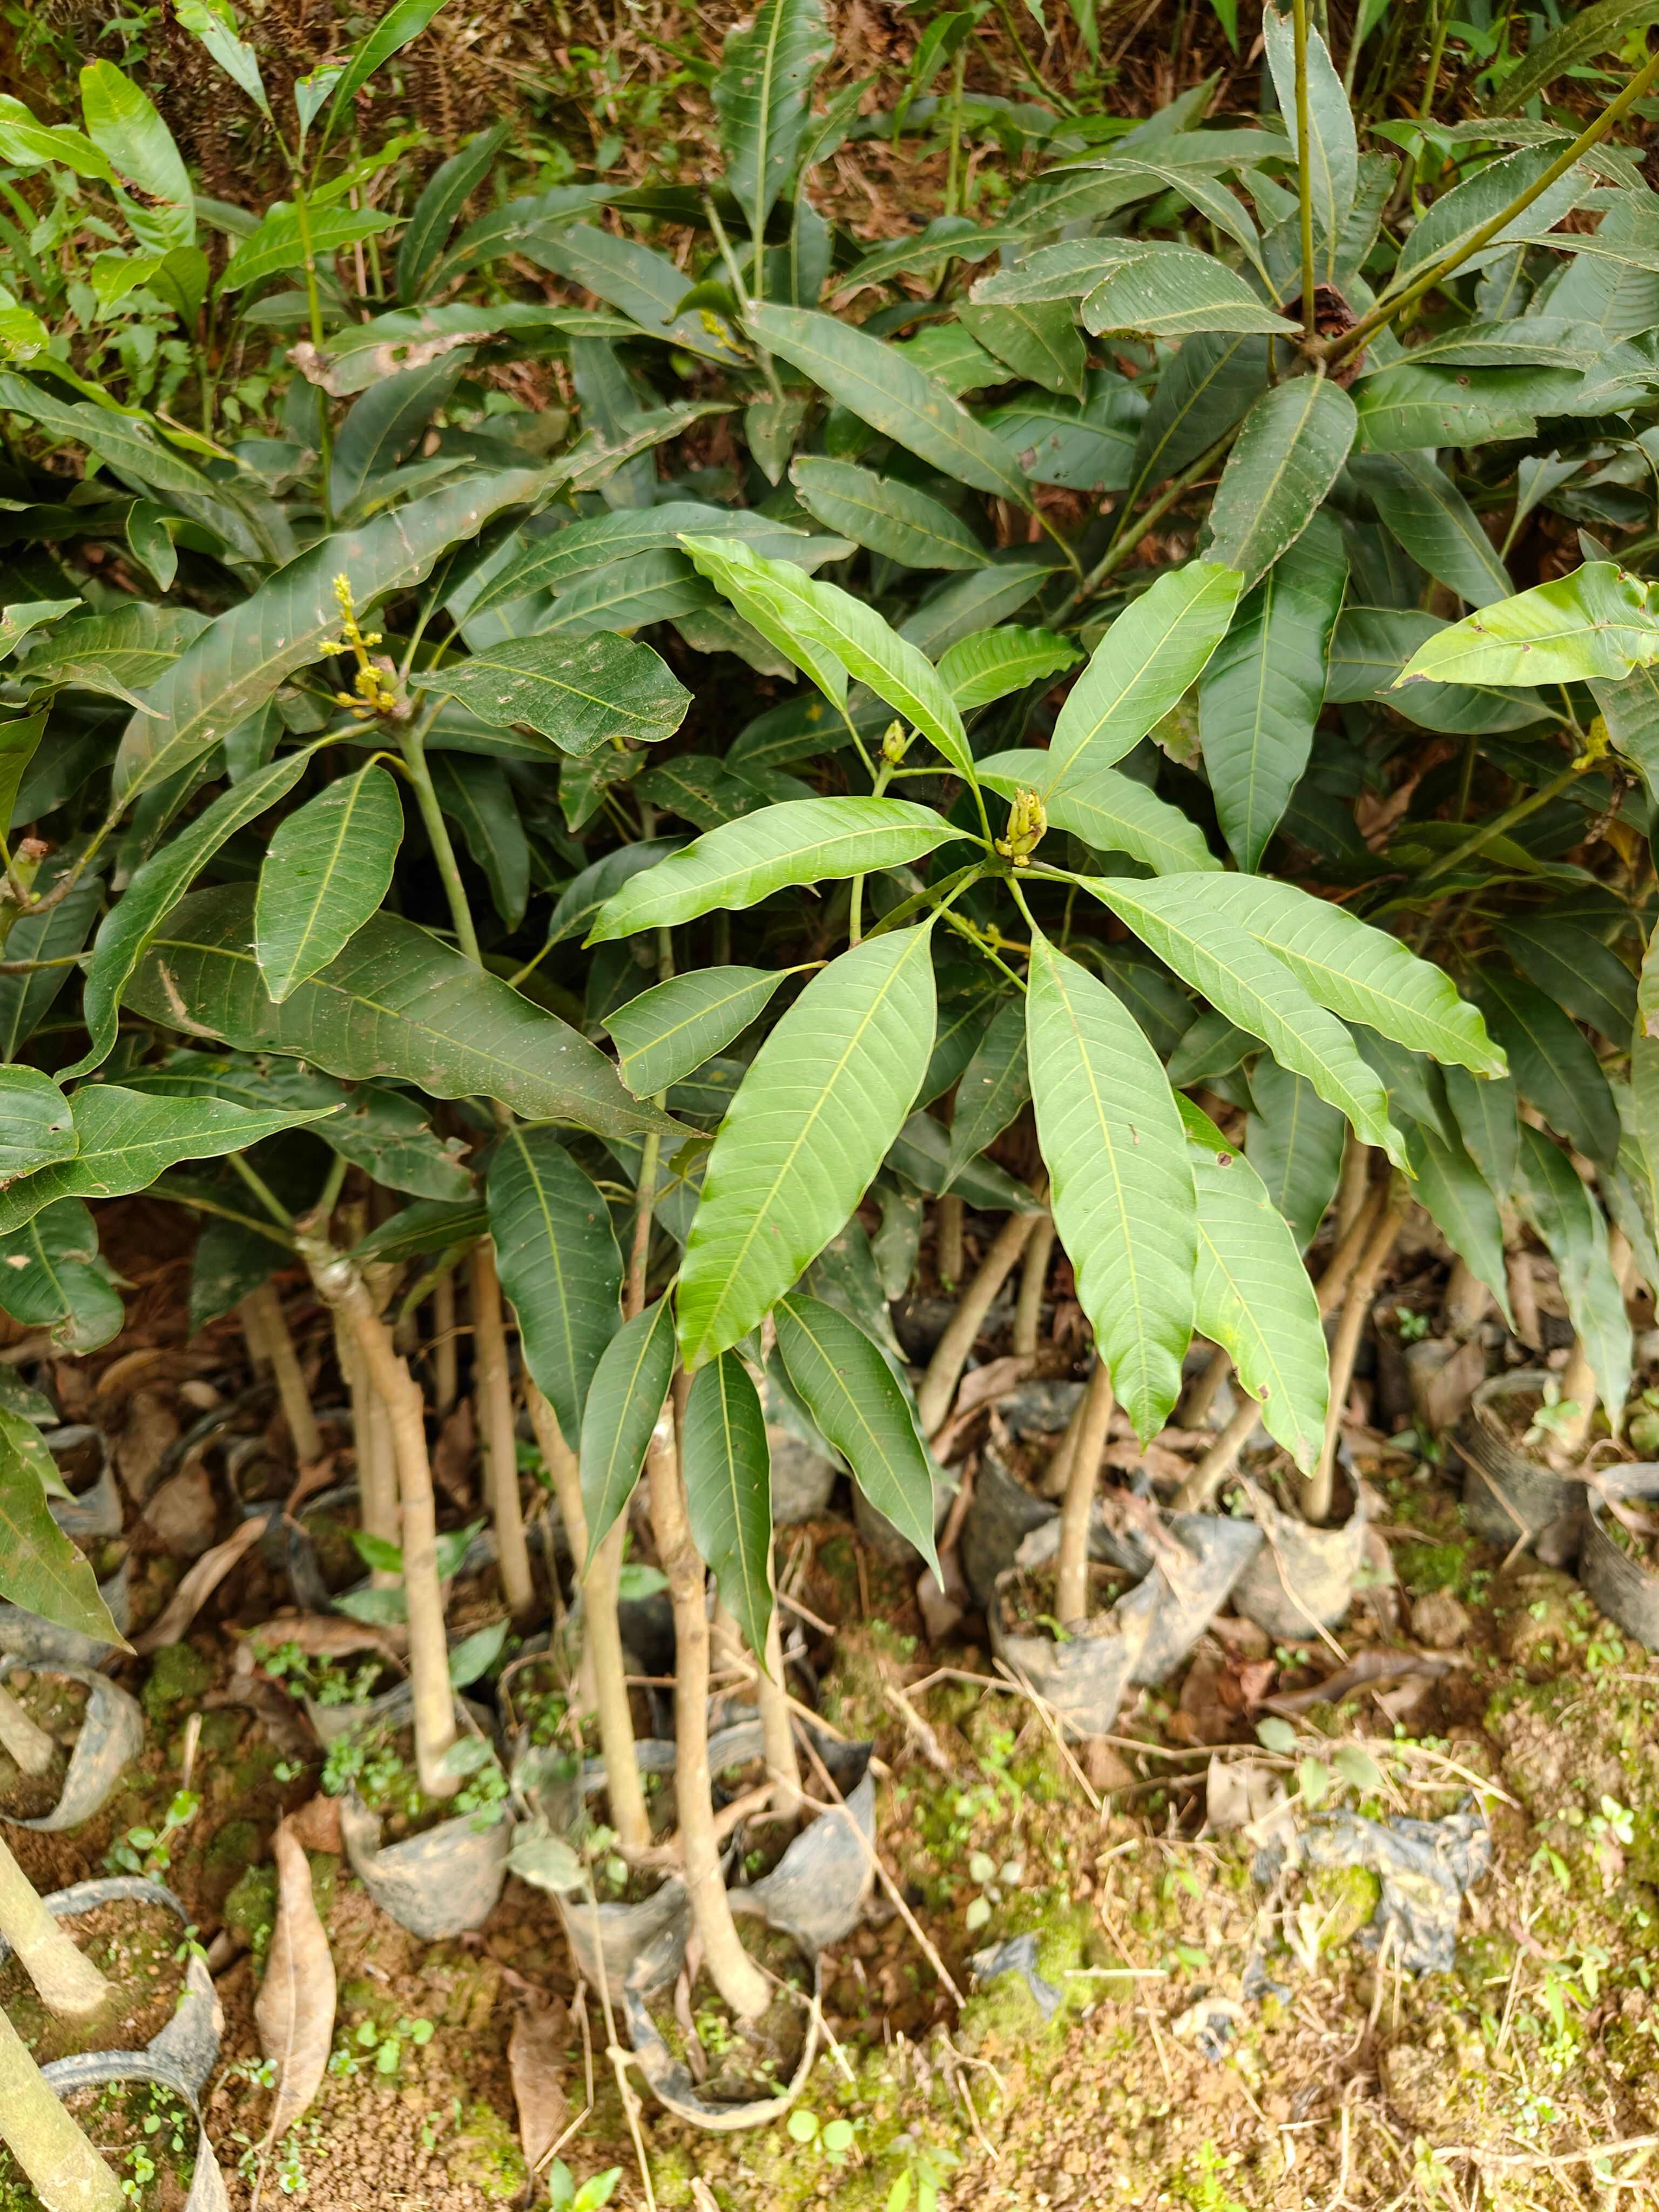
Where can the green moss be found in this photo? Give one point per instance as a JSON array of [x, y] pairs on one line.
[[1346, 1898], [485, 2152], [250, 1907], [180, 1676], [1422, 1567], [1071, 1954]]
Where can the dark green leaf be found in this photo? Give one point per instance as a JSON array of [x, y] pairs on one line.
[[669, 1030], [36, 1125], [326, 870], [581, 693], [1552, 1063], [887, 514], [559, 1264], [624, 1398], [1294, 441], [40, 1569], [1295, 1143], [727, 1466]]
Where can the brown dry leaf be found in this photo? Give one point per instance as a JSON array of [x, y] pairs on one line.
[[317, 1824], [324, 1635], [198, 1586], [182, 1513], [536, 2059], [295, 2009]]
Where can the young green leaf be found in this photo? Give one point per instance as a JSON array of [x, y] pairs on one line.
[[443, 196], [813, 1120], [325, 870], [1154, 650], [396, 1003], [727, 1467], [988, 663], [557, 1252], [1174, 291], [1177, 919], [874, 381], [1595, 623], [1331, 157], [1252, 1295], [624, 1398], [402, 23], [800, 841], [1295, 1143], [124, 126], [669, 1030], [1107, 809], [1357, 971], [1123, 1199], [1294, 441], [1259, 698], [857, 1405]]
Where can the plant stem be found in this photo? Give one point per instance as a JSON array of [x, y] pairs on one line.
[[639, 1257], [412, 742], [603, 1637], [1120, 548], [778, 1735], [67, 2172], [1503, 822], [1072, 1580], [938, 1385], [949, 1257], [341, 1287], [493, 1382], [1033, 1281], [1437, 51], [1317, 1499], [1304, 173], [68, 1984], [444, 1380], [1350, 341], [264, 1321], [314, 308], [736, 1976]]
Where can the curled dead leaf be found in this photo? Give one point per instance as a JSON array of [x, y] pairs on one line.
[[294, 2010], [198, 1586], [536, 2059]]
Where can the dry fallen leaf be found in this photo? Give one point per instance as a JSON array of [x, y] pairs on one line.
[[536, 2059], [294, 2010], [198, 1586]]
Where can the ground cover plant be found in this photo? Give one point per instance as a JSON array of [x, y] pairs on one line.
[[763, 793]]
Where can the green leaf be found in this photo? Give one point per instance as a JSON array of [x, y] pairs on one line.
[[61, 930], [727, 1466], [1174, 291], [1252, 1295], [1460, 1202], [23, 617], [989, 664], [581, 693], [1295, 1143], [123, 124], [277, 246], [1331, 160], [30, 145], [240, 659], [670, 1029], [887, 514], [402, 23], [1109, 811], [643, 285], [920, 1155], [428, 1226], [1554, 1066], [773, 598], [214, 22], [857, 1405], [40, 1568], [1183, 921], [995, 1085], [1371, 646], [800, 841], [478, 795], [1468, 207], [445, 193], [117, 653], [1040, 342], [1488, 1119], [761, 92], [1122, 1197], [556, 1254], [1212, 384], [1359, 972], [121, 441], [1404, 407], [18, 741], [1571, 1224], [385, 422], [396, 1003], [1259, 700], [36, 1125], [156, 887], [1594, 623], [813, 1120], [624, 1398], [325, 870], [1569, 961], [1422, 507], [126, 1138], [1580, 36], [1294, 441], [1154, 650], [1630, 707], [51, 1278], [875, 382], [855, 637]]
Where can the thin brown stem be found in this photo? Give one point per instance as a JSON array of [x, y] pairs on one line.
[[263, 1320], [1071, 1586], [1033, 1281], [445, 1380], [938, 1385], [778, 1735], [1317, 1499], [493, 1380], [950, 1255]]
